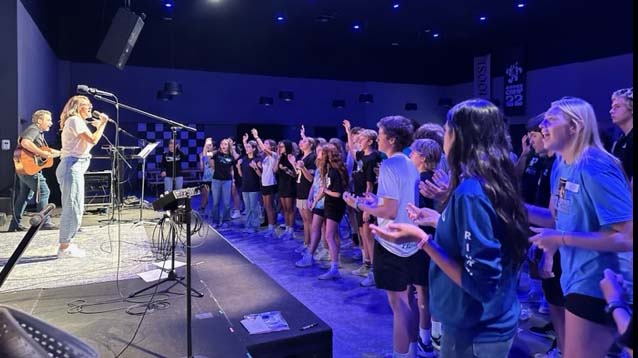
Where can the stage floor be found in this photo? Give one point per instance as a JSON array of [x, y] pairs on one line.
[[232, 286]]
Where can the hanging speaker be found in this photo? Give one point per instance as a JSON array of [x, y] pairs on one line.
[[121, 37]]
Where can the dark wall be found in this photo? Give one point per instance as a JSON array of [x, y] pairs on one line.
[[8, 88]]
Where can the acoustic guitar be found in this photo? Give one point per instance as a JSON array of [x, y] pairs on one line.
[[27, 163]]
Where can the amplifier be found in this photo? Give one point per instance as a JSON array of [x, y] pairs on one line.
[[97, 189]]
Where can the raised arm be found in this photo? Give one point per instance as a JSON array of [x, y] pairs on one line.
[[348, 128], [260, 143]]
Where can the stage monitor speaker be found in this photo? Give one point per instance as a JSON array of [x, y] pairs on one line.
[[97, 189], [120, 38]]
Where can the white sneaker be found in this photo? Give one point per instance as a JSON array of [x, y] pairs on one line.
[[362, 271], [331, 274], [369, 280], [301, 249], [71, 252], [235, 214], [321, 254], [305, 261]]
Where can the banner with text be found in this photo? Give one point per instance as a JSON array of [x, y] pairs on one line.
[[482, 77], [514, 86]]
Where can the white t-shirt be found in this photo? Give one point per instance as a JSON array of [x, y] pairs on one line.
[[72, 144], [267, 170], [398, 180]]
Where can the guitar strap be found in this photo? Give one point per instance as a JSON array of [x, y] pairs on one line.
[[37, 192]]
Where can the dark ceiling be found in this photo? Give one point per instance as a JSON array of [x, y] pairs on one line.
[[316, 39]]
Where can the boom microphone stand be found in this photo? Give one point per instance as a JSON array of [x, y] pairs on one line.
[[98, 96]]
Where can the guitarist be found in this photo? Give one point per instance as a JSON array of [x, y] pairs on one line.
[[32, 140]]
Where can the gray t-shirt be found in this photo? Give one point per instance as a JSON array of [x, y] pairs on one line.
[[398, 180], [34, 134]]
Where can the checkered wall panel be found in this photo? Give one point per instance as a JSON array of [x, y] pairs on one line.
[[191, 144]]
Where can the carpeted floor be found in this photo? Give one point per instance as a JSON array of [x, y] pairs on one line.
[[106, 259]]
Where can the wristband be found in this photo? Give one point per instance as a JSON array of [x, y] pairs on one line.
[[423, 241], [611, 306]]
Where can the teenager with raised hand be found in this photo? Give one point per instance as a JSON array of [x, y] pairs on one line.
[[590, 220], [266, 169], [249, 171], [305, 170], [480, 240]]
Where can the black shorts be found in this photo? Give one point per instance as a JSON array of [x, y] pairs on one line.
[[395, 273], [359, 218], [589, 308], [551, 286], [318, 212], [334, 211], [269, 190]]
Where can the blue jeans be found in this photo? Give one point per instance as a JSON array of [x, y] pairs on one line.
[[70, 175], [27, 185], [464, 347], [221, 191], [251, 203], [168, 183]]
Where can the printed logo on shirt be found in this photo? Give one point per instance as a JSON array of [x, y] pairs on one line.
[[469, 260], [562, 202]]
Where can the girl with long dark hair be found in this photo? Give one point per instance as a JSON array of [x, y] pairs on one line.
[[480, 240]]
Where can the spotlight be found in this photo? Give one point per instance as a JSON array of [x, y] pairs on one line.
[[266, 101], [482, 18], [339, 103], [366, 98], [172, 88], [280, 18], [436, 35], [286, 96], [356, 27], [520, 5], [395, 6], [163, 96]]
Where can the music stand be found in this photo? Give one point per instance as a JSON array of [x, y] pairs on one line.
[[143, 154]]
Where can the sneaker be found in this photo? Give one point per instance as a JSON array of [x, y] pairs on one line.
[[49, 226], [301, 249], [552, 353], [321, 254], [546, 331], [270, 234], [250, 230], [331, 274], [285, 235], [524, 315], [424, 350], [357, 256], [235, 214], [436, 342], [71, 252], [362, 271], [305, 261], [368, 281], [543, 308], [224, 225]]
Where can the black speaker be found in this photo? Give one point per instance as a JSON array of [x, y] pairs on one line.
[[120, 38]]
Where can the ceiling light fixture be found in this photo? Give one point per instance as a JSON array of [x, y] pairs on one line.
[[409, 106], [482, 18], [436, 35], [356, 27], [396, 5], [266, 101], [339, 103], [520, 5], [286, 96], [366, 98], [280, 18]]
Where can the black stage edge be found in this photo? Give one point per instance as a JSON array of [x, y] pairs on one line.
[[232, 287]]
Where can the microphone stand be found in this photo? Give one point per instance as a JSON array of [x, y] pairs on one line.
[[174, 127]]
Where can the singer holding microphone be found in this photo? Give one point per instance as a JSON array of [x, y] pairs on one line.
[[77, 141]]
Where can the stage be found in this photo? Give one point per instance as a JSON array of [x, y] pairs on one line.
[[232, 286]]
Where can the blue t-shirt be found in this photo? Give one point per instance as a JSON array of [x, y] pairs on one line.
[[590, 196], [486, 307]]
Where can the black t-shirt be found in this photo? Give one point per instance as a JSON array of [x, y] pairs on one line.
[[426, 202], [250, 180], [34, 134], [363, 171], [303, 184], [334, 183], [529, 180], [223, 166], [168, 160], [544, 191], [623, 149]]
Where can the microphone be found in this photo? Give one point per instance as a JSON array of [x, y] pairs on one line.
[[39, 217], [96, 115], [84, 89]]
